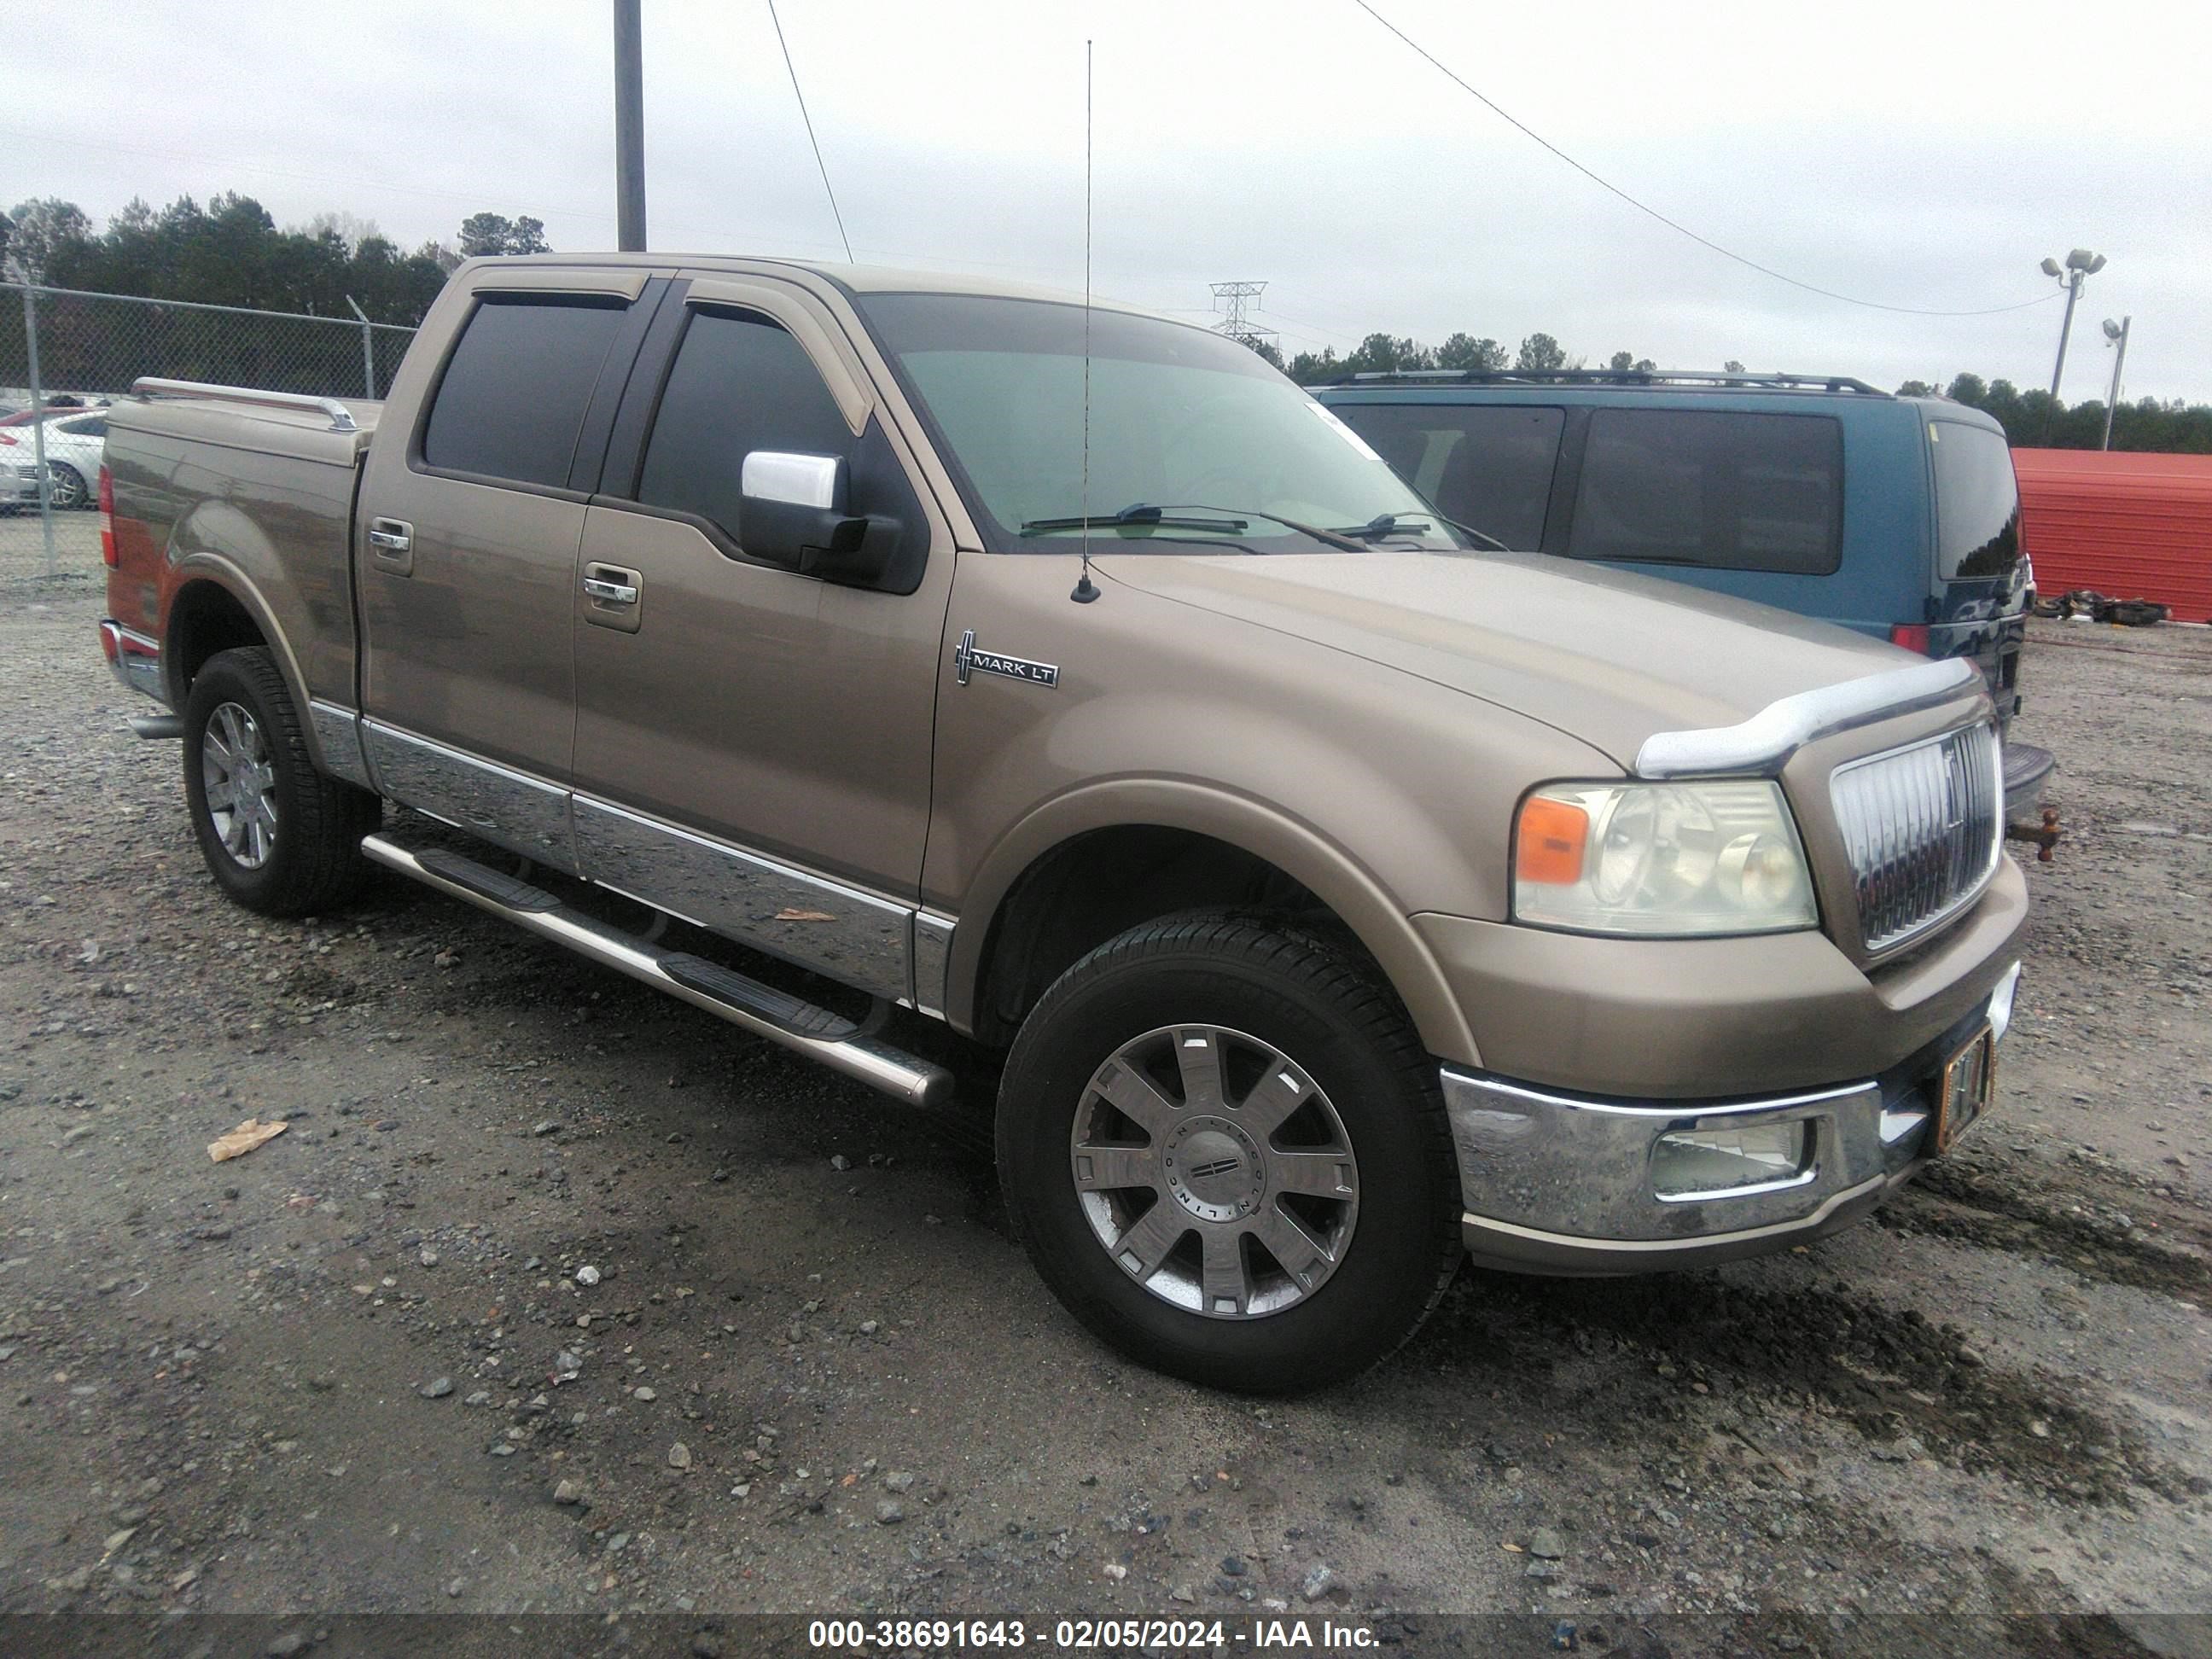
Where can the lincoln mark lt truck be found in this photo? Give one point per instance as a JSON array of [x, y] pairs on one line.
[[836, 649]]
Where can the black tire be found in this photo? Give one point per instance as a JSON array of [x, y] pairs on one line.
[[65, 487], [1329, 1014], [313, 861]]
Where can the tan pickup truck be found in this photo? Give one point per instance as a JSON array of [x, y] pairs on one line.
[[837, 649]]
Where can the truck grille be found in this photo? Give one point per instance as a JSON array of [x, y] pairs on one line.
[[1924, 827]]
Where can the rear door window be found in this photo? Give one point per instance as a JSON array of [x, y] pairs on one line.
[[1488, 466], [740, 382], [1728, 490], [1976, 501], [512, 400]]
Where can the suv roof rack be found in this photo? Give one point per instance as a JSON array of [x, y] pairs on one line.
[[1776, 382]]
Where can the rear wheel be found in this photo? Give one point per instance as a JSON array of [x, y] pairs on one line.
[[1223, 1148], [65, 487], [278, 837]]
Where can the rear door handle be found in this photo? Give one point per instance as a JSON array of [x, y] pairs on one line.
[[391, 545]]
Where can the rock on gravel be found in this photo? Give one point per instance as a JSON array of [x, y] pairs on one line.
[[587, 1274], [437, 1388], [680, 1456], [889, 1513]]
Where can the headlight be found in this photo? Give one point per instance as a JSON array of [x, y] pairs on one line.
[[1660, 859]]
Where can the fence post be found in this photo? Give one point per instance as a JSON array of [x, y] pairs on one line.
[[38, 423], [367, 351]]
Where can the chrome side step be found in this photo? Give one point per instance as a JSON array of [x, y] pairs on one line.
[[816, 1033]]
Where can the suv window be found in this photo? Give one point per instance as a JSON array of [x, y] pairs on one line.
[[739, 383], [1488, 466], [513, 394], [1976, 501], [1727, 490]]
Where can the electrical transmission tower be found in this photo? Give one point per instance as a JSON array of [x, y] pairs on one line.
[[1231, 298]]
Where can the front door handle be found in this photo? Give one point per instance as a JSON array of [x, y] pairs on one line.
[[610, 597], [391, 545]]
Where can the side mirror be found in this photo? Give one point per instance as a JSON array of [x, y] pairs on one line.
[[794, 515]]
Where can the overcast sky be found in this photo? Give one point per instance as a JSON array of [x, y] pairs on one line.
[[1918, 155]]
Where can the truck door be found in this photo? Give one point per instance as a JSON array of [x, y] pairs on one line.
[[467, 533], [752, 745]]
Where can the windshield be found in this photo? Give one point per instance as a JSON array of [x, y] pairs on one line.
[[1180, 419]]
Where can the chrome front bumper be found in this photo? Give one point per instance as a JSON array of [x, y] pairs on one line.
[[1558, 1183]]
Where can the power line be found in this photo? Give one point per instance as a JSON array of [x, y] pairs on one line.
[[1671, 224], [810, 138]]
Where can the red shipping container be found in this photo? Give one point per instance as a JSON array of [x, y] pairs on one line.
[[2129, 526]]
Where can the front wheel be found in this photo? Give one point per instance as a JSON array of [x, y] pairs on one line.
[[278, 837], [1223, 1148]]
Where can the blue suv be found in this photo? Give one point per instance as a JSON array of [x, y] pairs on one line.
[[1898, 517]]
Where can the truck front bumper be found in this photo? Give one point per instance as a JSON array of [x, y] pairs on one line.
[[1568, 1184]]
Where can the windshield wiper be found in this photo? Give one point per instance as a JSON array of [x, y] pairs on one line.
[[1335, 538], [1141, 516], [1146, 515], [1405, 524]]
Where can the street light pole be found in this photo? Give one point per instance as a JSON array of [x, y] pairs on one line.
[[629, 128], [2118, 337], [2081, 264]]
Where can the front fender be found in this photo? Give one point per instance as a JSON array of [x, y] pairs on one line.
[[1320, 865]]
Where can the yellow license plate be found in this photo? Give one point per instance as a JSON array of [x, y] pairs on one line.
[[1963, 1094]]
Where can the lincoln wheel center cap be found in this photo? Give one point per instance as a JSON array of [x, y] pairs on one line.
[[1214, 1169]]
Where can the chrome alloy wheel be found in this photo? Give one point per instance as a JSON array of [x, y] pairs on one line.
[[240, 778], [1214, 1171]]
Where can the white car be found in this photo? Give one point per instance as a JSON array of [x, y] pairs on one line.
[[76, 441]]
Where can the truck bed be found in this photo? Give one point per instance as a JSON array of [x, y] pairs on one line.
[[262, 495]]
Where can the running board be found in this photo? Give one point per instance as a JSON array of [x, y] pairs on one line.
[[800, 1026]]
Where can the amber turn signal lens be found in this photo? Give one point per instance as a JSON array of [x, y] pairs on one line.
[[1549, 849]]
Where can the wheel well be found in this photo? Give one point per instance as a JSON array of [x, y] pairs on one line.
[[1098, 885], [203, 618]]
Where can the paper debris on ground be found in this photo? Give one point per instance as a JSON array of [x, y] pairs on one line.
[[244, 1138]]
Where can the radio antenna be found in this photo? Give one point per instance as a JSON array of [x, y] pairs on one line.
[[1086, 590]]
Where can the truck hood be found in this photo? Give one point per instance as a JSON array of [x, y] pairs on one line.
[[1605, 656]]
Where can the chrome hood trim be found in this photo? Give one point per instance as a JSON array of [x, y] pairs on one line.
[[1764, 743]]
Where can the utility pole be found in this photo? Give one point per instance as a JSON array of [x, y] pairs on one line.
[[629, 128], [2118, 337], [2081, 264], [1231, 297]]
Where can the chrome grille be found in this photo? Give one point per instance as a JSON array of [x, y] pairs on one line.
[[1924, 827]]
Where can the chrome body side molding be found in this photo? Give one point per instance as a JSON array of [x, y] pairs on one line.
[[510, 809], [1762, 743], [852, 937], [337, 734], [932, 961]]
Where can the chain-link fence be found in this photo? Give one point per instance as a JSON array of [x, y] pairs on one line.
[[64, 353]]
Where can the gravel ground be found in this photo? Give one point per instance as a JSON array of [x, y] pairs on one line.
[[556, 1296]]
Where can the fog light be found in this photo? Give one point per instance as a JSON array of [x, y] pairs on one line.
[[1699, 1163]]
